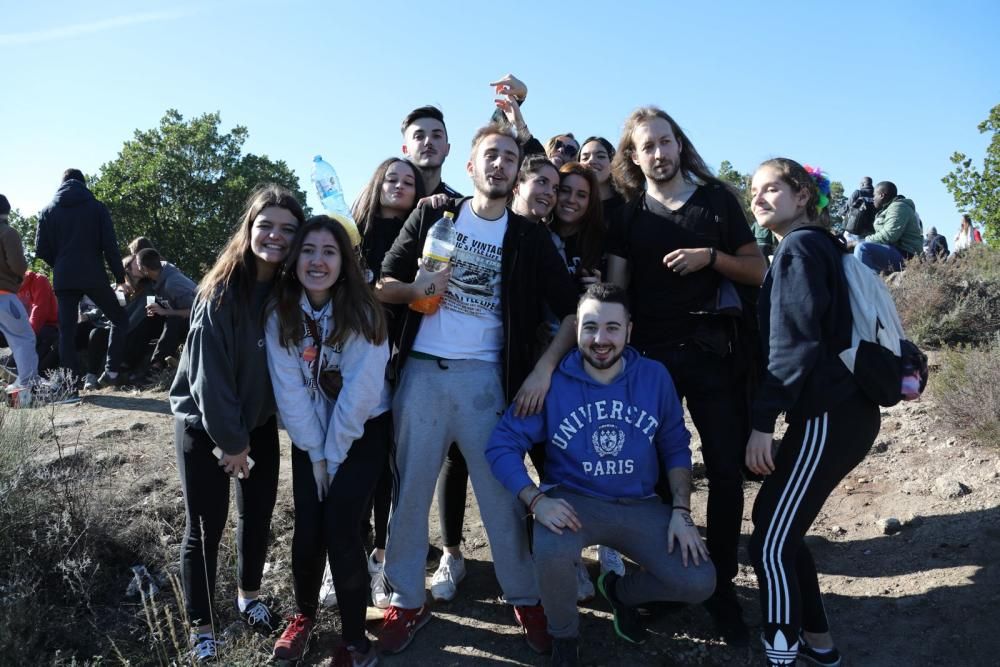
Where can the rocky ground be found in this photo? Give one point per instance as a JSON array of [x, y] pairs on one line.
[[906, 549]]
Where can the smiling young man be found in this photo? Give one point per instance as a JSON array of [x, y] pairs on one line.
[[680, 234], [458, 368], [613, 427]]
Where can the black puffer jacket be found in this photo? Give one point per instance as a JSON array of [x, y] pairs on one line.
[[74, 236]]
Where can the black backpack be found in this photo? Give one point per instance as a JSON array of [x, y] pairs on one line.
[[861, 217]]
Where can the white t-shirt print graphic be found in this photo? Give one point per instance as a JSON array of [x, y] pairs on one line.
[[468, 324]]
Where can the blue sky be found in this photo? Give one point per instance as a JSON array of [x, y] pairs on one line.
[[885, 89]]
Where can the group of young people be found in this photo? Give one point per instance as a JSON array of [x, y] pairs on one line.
[[591, 290]]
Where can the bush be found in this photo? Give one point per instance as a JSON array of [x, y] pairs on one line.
[[967, 388], [950, 303]]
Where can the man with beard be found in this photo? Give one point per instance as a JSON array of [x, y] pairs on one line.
[[678, 246], [425, 144], [613, 427], [458, 368]]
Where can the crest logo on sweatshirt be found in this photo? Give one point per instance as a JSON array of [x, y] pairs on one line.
[[608, 440]]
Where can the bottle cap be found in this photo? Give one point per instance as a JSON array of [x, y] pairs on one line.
[[448, 214]]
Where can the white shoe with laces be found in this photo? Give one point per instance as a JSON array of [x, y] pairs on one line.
[[205, 648], [610, 560], [584, 586], [327, 593], [380, 595], [447, 577]]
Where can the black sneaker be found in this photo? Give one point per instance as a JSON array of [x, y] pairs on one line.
[[628, 625], [107, 381], [809, 654], [565, 652], [259, 617], [724, 608]]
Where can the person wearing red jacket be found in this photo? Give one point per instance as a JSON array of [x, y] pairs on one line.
[[43, 315]]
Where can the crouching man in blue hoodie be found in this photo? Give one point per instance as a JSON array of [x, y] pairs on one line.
[[612, 424]]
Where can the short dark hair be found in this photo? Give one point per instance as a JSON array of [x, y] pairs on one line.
[[73, 175], [139, 243], [491, 129], [866, 182], [4, 205], [149, 259], [889, 188], [606, 293], [423, 112]]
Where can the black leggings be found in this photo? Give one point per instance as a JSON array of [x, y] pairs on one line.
[[333, 527], [815, 455], [206, 504]]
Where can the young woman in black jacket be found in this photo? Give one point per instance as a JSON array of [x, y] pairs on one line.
[[805, 321]]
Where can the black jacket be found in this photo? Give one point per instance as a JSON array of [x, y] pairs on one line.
[[531, 274], [805, 322], [74, 236]]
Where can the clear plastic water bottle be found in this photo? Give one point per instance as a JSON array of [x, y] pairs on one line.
[[331, 196], [438, 249]]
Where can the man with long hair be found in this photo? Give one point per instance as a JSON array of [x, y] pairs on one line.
[[679, 244]]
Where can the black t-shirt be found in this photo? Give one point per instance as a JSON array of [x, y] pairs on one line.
[[378, 239], [444, 189], [663, 303], [611, 206]]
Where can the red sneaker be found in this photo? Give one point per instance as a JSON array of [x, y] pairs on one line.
[[398, 627], [294, 640], [536, 633]]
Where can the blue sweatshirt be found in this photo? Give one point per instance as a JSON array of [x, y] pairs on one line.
[[607, 441]]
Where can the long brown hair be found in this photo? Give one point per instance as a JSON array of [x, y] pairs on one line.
[[368, 206], [591, 225], [236, 263], [355, 310], [628, 177]]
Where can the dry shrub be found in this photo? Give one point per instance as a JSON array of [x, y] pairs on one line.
[[967, 389], [953, 302]]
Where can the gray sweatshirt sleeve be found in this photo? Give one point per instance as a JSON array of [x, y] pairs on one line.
[[365, 394], [212, 377]]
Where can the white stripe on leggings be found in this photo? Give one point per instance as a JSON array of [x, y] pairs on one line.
[[813, 443]]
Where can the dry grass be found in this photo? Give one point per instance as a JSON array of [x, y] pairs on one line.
[[967, 388]]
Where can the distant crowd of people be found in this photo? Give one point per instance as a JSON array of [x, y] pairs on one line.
[[591, 289]]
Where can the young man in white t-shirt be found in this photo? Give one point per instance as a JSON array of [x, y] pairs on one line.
[[458, 368]]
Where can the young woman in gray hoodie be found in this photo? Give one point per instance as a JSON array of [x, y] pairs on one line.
[[224, 414]]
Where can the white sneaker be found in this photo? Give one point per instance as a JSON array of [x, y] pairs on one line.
[[611, 561], [584, 586], [90, 383], [327, 594], [376, 570], [444, 583]]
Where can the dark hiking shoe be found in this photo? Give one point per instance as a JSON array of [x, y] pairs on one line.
[[724, 608], [628, 625]]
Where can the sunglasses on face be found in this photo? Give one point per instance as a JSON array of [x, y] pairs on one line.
[[569, 150]]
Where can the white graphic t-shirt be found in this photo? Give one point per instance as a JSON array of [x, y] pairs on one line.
[[468, 323]]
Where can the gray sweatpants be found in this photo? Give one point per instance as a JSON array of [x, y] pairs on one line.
[[636, 528], [20, 337], [436, 405]]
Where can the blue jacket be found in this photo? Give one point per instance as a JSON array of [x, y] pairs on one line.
[[75, 237], [606, 441]]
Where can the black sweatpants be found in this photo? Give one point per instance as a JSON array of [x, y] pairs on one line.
[[716, 399], [69, 312], [816, 453], [333, 527], [206, 505]]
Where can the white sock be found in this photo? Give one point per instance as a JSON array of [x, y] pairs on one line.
[[112, 374], [243, 602]]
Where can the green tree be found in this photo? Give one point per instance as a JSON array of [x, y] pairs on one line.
[[978, 192], [838, 206], [183, 185], [740, 182]]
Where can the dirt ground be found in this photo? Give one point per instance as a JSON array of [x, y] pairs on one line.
[[927, 594]]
